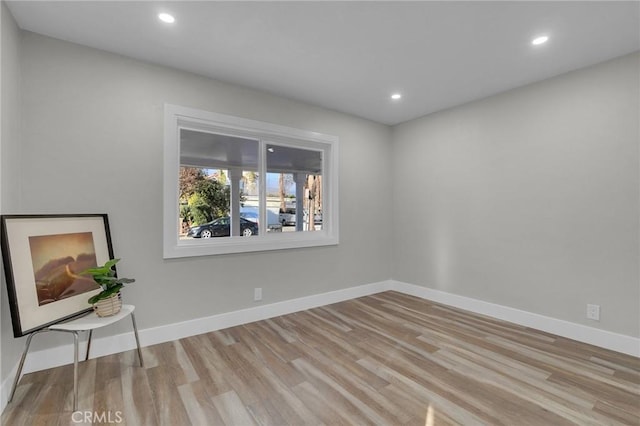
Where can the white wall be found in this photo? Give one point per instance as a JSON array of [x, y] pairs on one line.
[[92, 141], [528, 199], [9, 168]]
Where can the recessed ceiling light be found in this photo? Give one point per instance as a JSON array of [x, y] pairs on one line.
[[165, 17], [539, 40], [396, 96]]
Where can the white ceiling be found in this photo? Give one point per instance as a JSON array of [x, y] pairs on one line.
[[350, 56]]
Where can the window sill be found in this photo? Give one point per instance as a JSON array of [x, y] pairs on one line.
[[227, 245]]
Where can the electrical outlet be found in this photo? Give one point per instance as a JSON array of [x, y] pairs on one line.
[[257, 294], [593, 312]]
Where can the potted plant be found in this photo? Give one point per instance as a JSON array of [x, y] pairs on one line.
[[108, 302]]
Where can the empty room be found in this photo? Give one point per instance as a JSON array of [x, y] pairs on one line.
[[306, 213]]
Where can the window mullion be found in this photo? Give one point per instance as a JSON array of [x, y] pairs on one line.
[[262, 188]]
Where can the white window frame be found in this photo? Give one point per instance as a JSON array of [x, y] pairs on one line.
[[177, 117]]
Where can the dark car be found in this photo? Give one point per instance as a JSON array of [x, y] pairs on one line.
[[221, 227], [251, 216]]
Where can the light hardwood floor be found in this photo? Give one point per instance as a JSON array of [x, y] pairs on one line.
[[386, 359]]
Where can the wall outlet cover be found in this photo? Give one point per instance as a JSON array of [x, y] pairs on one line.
[[593, 312]]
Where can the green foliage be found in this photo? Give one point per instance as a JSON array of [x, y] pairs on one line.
[[199, 209], [185, 212], [207, 196], [189, 176], [211, 199], [221, 177], [105, 277]]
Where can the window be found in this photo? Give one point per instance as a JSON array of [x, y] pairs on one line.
[[296, 176], [235, 185]]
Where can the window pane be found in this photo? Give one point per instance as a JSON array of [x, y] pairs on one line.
[[216, 171], [294, 188], [313, 203], [229, 174], [250, 199]]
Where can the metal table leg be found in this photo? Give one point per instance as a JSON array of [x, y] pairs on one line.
[[75, 371], [75, 365], [135, 332], [21, 365], [75, 331], [88, 344]]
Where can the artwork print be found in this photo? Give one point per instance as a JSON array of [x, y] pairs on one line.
[[57, 262], [44, 256]]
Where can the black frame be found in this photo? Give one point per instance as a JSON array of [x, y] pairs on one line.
[[16, 289]]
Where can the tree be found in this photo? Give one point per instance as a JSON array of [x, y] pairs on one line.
[[284, 183], [185, 213], [207, 196], [281, 192], [220, 176], [313, 199], [312, 186], [251, 183], [187, 217], [189, 176], [210, 199]]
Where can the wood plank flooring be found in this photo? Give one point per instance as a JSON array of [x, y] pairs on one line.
[[386, 359]]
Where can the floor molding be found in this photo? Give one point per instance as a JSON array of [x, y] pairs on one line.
[[62, 355], [582, 333], [5, 388], [253, 373]]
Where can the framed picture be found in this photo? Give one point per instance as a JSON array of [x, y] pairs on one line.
[[43, 257]]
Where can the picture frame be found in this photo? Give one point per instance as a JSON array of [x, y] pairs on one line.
[[43, 256]]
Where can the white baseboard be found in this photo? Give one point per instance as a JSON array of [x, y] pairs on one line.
[[6, 388], [62, 355], [244, 316], [582, 333]]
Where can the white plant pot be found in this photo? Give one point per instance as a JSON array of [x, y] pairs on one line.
[[109, 306]]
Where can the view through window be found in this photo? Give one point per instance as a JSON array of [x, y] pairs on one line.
[[255, 190], [218, 177], [295, 186]]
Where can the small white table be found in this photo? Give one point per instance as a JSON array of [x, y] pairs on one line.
[[87, 323]]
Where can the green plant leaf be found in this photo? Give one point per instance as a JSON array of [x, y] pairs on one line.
[[105, 269], [111, 263], [111, 291], [105, 294], [105, 277]]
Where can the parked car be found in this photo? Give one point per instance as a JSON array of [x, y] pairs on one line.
[[287, 217], [317, 218], [221, 227], [252, 216]]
